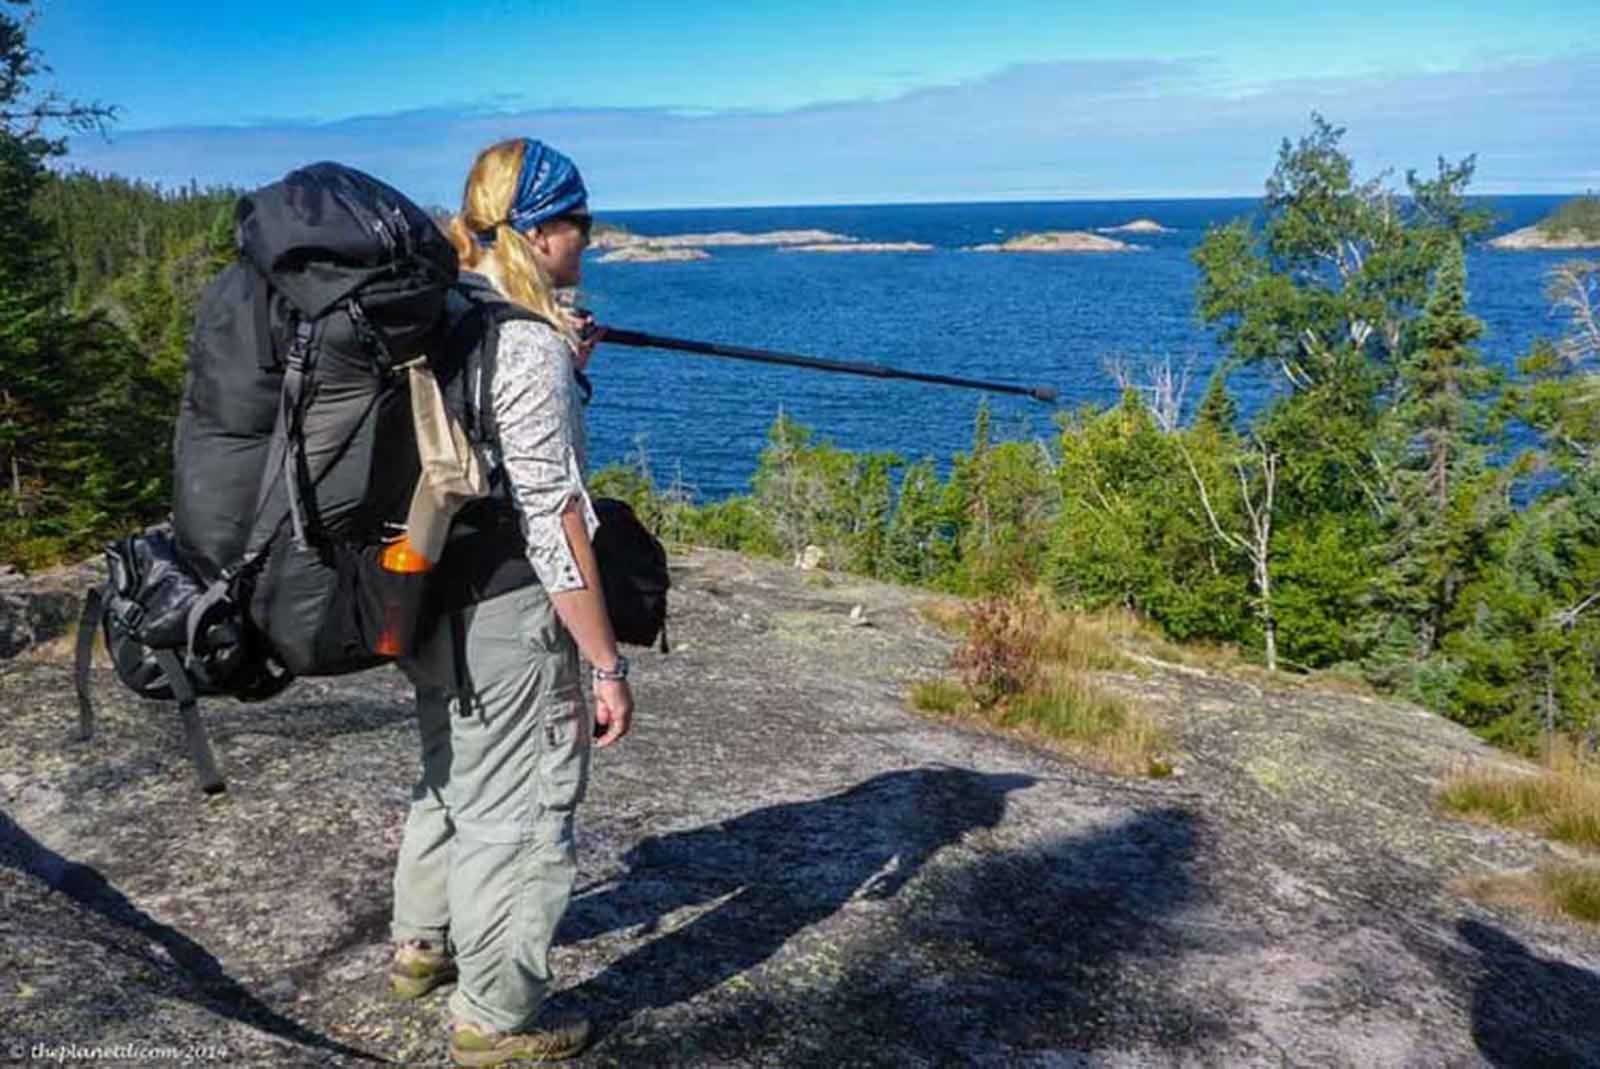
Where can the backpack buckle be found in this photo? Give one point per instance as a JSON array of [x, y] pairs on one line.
[[370, 336], [128, 613], [300, 348]]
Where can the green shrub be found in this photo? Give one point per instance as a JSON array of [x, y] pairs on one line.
[[938, 696], [815, 494]]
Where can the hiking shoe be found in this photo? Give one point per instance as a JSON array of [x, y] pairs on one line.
[[557, 1040], [418, 968]]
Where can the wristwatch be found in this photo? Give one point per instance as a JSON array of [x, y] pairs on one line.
[[619, 672]]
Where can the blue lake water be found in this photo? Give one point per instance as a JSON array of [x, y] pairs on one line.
[[1036, 319]]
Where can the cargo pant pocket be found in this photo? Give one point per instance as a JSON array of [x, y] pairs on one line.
[[564, 760], [564, 723]]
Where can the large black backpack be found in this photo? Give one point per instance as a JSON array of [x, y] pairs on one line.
[[295, 456], [294, 453]]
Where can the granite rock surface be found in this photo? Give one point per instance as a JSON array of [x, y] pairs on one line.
[[784, 866]]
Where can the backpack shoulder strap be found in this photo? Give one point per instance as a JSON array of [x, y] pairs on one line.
[[504, 311], [473, 332], [289, 446]]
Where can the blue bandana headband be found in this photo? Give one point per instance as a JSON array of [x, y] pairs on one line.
[[548, 186]]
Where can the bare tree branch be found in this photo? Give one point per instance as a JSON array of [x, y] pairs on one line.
[[1566, 618], [1205, 501], [1159, 385], [1297, 377], [1244, 493], [1167, 390], [1575, 293], [1121, 373]]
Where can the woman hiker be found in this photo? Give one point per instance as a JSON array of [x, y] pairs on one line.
[[487, 863]]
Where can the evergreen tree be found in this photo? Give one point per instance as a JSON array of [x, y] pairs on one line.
[[84, 414], [1354, 296], [1443, 501], [33, 394], [107, 227], [815, 494], [1217, 412], [1005, 499], [1561, 396], [1443, 381], [1520, 656], [919, 546]]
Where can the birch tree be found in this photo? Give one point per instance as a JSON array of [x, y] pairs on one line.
[[1257, 472]]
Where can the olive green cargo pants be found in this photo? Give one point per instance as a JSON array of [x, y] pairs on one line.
[[488, 857]]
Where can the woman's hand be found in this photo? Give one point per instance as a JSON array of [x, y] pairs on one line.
[[588, 331], [613, 710]]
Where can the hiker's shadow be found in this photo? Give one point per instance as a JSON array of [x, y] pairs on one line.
[[1528, 1010], [1059, 941], [731, 894], [189, 973]]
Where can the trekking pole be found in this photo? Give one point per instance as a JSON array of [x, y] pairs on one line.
[[641, 340]]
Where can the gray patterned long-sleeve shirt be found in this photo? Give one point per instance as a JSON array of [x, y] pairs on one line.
[[536, 417]]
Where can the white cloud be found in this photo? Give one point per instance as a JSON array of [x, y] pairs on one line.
[[1087, 129]]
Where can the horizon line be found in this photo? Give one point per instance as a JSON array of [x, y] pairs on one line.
[[1076, 199], [65, 170]]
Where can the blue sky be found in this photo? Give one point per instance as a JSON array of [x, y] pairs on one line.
[[710, 103]]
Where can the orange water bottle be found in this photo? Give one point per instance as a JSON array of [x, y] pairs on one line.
[[400, 597]]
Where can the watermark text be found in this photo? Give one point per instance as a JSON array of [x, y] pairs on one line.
[[113, 1053]]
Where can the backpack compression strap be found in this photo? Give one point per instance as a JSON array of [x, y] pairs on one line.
[[194, 732], [302, 356], [287, 455], [88, 625]]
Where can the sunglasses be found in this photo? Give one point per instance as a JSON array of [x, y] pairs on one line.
[[583, 221]]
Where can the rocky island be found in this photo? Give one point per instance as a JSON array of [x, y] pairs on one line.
[[613, 238], [1137, 226], [1058, 241], [784, 865], [648, 252], [1537, 237], [1574, 225], [861, 246]]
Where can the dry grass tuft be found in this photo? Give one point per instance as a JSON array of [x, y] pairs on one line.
[[947, 614], [1561, 801], [1085, 642], [1107, 729], [1342, 681], [1575, 889], [1560, 891], [1134, 634], [1026, 667]]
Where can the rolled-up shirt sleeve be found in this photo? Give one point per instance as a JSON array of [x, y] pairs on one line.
[[538, 422]]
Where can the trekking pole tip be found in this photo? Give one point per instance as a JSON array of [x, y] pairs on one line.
[[1044, 393]]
